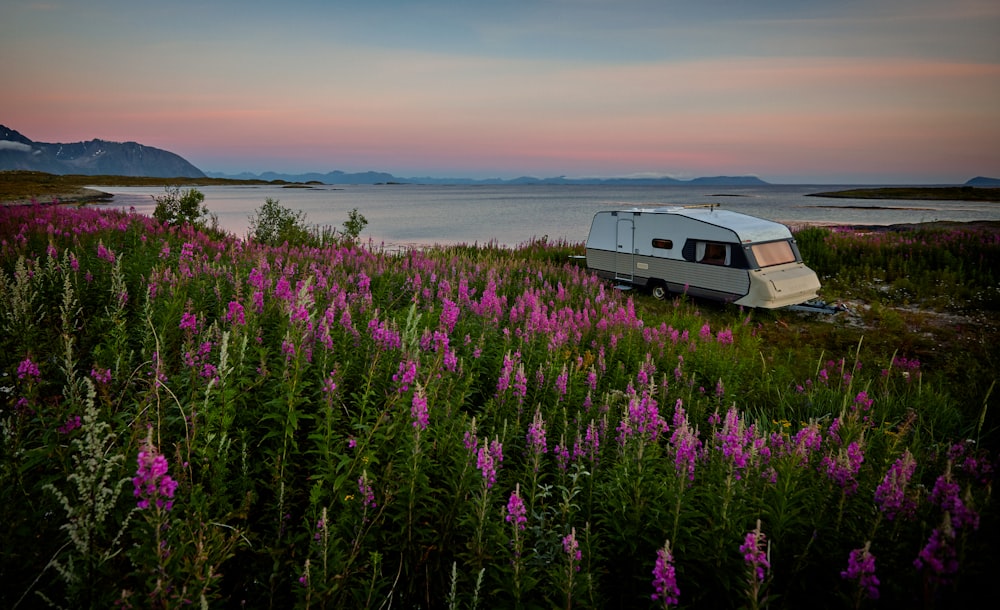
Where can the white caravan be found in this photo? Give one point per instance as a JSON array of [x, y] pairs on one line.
[[702, 251]]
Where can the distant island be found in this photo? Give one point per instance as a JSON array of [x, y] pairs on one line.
[[918, 193], [339, 177]]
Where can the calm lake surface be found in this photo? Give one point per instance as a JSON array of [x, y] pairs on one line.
[[510, 215]]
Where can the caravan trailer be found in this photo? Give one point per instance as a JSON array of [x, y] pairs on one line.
[[702, 251]]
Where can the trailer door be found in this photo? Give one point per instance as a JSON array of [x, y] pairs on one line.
[[624, 258]]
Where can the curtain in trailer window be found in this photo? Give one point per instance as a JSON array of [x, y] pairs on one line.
[[712, 253]]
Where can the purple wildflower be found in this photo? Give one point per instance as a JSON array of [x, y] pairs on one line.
[[103, 252], [536, 435], [189, 321], [861, 567], [843, 468], [449, 314], [562, 381], [29, 369], [405, 375], [509, 364], [101, 375], [686, 444], [572, 548], [665, 577], [366, 491], [947, 495], [488, 459], [418, 409], [754, 554], [151, 481], [516, 511], [236, 314], [71, 424], [891, 496], [939, 555], [520, 383]]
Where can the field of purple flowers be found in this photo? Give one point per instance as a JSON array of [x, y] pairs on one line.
[[189, 418]]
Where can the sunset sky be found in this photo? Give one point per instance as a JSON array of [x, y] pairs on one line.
[[792, 91]]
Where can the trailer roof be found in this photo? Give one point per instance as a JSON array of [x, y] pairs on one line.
[[747, 228]]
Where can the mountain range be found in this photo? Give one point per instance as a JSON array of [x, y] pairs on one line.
[[92, 158]]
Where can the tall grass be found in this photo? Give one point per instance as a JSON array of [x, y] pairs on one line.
[[200, 420]]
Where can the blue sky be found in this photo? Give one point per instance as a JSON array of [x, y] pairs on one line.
[[880, 91]]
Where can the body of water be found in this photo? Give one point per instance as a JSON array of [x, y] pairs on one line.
[[513, 214]]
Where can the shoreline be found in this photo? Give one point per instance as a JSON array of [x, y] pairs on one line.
[[78, 196]]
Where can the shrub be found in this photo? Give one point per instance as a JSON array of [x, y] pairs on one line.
[[354, 224], [273, 224], [178, 207]]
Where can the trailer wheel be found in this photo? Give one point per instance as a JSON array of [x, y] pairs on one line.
[[659, 292]]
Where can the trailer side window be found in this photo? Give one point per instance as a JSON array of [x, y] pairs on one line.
[[773, 253], [712, 253], [665, 244]]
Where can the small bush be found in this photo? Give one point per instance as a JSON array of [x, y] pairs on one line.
[[354, 224], [178, 207], [273, 224]]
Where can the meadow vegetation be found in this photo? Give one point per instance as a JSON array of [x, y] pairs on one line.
[[193, 418]]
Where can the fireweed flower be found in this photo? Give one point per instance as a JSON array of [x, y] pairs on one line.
[[736, 441], [449, 314], [890, 495], [562, 381], [686, 444], [236, 315], [152, 484], [71, 424], [405, 375], [947, 495], [100, 375], [665, 577], [536, 435], [861, 567], [516, 511], [365, 491], [572, 549], [509, 364], [939, 557], [520, 383], [805, 442], [754, 554], [418, 409], [843, 467], [489, 456], [705, 333], [189, 321], [28, 369], [562, 454], [104, 253], [592, 441]]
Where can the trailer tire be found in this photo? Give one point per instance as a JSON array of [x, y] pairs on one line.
[[660, 291]]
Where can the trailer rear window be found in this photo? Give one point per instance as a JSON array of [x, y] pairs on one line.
[[773, 253]]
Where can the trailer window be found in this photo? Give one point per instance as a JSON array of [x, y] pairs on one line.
[[773, 253], [666, 244], [712, 253]]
